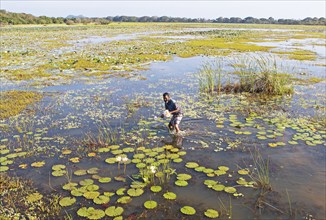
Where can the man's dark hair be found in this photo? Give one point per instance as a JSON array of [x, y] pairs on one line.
[[166, 94]]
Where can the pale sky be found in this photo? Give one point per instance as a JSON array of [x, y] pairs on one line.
[[190, 9]]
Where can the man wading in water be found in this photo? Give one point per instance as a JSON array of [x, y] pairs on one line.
[[173, 109]]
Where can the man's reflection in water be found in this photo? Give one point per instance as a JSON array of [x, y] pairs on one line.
[[175, 142]]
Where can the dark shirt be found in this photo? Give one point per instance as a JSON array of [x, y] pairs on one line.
[[171, 106]]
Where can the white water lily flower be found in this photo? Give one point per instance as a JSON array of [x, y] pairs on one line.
[[125, 159], [153, 169], [119, 159]]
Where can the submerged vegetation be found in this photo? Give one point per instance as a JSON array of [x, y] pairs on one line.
[[15, 101]]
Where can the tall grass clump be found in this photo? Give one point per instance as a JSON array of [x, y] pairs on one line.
[[209, 77], [262, 75], [260, 175], [254, 74]]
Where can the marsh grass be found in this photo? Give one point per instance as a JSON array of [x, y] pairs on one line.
[[260, 174], [256, 75], [14, 102]]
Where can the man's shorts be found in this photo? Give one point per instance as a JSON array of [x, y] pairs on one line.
[[176, 119]]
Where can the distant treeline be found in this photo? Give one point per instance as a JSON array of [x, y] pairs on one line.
[[10, 18]]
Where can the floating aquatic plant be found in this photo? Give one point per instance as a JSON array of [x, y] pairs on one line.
[[170, 195], [114, 211], [150, 204], [34, 197], [67, 201], [211, 213], [188, 210]]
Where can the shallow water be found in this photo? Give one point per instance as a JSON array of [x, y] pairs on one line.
[[78, 108]]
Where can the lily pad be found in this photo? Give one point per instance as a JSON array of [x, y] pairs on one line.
[[91, 194], [58, 167], [224, 168], [113, 211], [4, 168], [170, 195], [80, 172], [111, 160], [69, 186], [181, 183], [243, 172], [92, 187], [102, 199], [230, 189], [218, 187], [211, 213], [121, 191], [135, 192], [156, 189], [192, 165], [188, 210], [124, 199], [67, 201], [183, 176], [104, 180], [91, 213], [86, 182], [150, 204]]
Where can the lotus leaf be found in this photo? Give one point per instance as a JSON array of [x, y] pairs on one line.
[[91, 154], [111, 160], [192, 165], [242, 181], [139, 156], [69, 186], [124, 199], [102, 199], [188, 210], [92, 187], [230, 189], [135, 192], [67, 201], [114, 147], [113, 211], [148, 161], [211, 213], [137, 184], [12, 155], [156, 189], [4, 168], [120, 191], [104, 179], [150, 204], [224, 168], [34, 197], [118, 218], [170, 195], [58, 167], [80, 172], [38, 164], [181, 183], [218, 187], [91, 194], [243, 172], [183, 176], [86, 182], [7, 162], [93, 170]]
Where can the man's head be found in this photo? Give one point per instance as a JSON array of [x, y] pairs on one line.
[[166, 97]]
